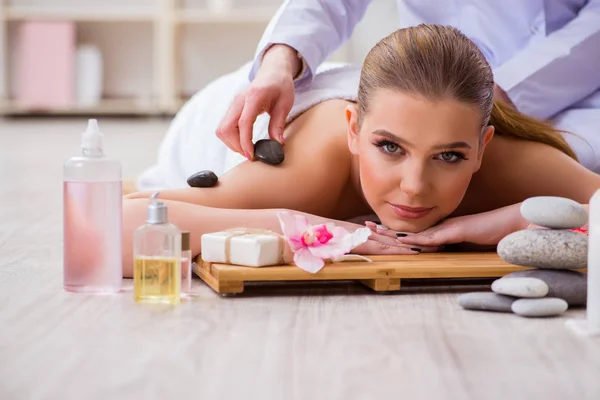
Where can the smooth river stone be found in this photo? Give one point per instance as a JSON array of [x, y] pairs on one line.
[[520, 287], [269, 151], [545, 248], [486, 301], [203, 179], [544, 307], [570, 286], [554, 212]]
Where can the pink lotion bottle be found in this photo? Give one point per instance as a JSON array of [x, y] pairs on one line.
[[92, 215]]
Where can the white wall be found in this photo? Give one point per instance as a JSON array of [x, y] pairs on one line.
[[229, 46], [380, 20]]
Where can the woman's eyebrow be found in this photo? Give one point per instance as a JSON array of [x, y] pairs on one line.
[[404, 142]]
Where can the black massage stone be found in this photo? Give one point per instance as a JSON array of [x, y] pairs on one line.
[[269, 151], [203, 179]]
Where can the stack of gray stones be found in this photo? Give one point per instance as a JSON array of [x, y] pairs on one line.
[[555, 252]]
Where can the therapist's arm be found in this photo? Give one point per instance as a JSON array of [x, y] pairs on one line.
[[313, 28], [558, 70]]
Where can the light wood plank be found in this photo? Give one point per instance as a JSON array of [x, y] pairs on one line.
[[382, 284], [452, 265]]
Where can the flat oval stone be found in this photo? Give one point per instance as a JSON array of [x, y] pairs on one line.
[[554, 212], [544, 307], [203, 179], [520, 287], [486, 301], [571, 286], [545, 248], [269, 151]]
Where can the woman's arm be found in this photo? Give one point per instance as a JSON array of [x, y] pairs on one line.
[[314, 28], [199, 220], [483, 229], [315, 171]]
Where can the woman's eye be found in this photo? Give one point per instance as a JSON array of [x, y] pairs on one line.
[[450, 157], [391, 148]]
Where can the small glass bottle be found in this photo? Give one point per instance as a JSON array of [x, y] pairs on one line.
[[186, 264], [157, 257], [92, 218]]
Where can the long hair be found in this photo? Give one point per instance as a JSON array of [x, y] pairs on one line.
[[436, 62]]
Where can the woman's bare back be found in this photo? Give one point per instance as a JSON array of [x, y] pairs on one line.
[[314, 178], [514, 170]]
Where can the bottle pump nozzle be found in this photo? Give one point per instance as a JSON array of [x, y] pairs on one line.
[[157, 211], [92, 137]]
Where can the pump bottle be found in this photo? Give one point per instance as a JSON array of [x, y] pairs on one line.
[[92, 218], [157, 257]]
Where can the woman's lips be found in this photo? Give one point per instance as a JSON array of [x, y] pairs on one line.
[[410, 212]]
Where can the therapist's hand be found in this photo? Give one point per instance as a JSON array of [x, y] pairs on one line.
[[271, 91]]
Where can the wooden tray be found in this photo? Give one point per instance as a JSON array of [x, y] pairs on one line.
[[383, 274]]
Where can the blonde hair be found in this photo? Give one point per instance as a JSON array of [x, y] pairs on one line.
[[436, 62]]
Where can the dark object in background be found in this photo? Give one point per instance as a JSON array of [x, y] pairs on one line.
[[203, 179], [269, 151]]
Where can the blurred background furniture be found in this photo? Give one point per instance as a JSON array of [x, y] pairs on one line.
[[154, 54]]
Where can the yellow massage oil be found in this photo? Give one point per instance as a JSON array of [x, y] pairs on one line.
[[157, 258], [156, 280]]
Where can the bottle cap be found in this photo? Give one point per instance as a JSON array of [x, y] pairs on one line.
[[91, 139], [185, 241], [157, 211]]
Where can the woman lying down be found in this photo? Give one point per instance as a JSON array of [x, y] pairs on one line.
[[423, 146]]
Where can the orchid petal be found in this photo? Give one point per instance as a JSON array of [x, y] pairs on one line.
[[295, 243], [360, 236], [352, 257], [343, 243], [330, 250], [305, 260], [291, 225], [301, 223]]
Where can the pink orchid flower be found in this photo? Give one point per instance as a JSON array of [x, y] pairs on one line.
[[312, 245]]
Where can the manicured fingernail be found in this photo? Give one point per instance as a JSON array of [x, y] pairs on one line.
[[248, 155], [418, 250], [281, 138], [401, 234]]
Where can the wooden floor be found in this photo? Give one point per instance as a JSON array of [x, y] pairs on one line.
[[324, 341]]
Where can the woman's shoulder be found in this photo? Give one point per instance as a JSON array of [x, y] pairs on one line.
[[322, 128], [332, 81]]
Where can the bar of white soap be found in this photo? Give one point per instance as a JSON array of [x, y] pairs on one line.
[[250, 249]]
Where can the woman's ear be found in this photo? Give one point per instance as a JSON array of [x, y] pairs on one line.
[[352, 121], [488, 134]]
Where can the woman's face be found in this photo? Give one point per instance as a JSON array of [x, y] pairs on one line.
[[416, 157]]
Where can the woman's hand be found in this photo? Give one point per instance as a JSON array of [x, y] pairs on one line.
[[480, 229], [379, 244], [385, 242]]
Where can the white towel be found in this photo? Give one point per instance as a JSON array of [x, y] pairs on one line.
[[191, 144]]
